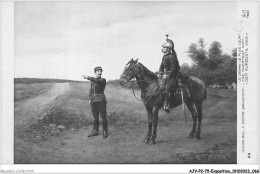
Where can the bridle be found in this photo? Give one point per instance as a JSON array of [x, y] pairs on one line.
[[134, 82]]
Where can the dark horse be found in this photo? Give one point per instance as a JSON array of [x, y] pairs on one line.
[[194, 94]]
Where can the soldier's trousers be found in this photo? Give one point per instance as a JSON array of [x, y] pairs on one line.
[[99, 108], [171, 85]]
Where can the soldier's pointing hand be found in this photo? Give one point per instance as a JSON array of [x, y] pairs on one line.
[[86, 77]]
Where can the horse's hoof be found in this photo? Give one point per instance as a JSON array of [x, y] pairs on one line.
[[147, 140], [152, 142], [191, 136], [197, 136], [167, 110]]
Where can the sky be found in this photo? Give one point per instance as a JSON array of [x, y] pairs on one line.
[[65, 40]]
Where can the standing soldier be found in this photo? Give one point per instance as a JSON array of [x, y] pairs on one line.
[[97, 101], [169, 66]]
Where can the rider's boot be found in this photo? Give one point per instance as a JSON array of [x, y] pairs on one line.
[[166, 106], [95, 131]]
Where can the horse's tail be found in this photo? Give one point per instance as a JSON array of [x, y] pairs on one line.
[[205, 93]]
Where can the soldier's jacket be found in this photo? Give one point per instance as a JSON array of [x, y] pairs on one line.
[[171, 64], [96, 93]]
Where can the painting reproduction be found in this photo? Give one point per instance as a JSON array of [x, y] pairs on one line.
[[125, 82]]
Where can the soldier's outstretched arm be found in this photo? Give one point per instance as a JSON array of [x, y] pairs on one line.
[[84, 76], [97, 80]]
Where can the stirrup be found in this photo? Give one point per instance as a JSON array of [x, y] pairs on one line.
[[167, 109]]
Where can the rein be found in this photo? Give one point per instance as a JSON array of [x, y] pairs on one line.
[[132, 86], [135, 95], [146, 100]]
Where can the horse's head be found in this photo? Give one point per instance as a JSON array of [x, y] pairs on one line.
[[129, 72]]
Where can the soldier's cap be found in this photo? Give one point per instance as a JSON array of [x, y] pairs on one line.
[[98, 68]]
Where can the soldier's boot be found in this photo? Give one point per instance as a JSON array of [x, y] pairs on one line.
[[95, 131], [166, 106], [105, 128]]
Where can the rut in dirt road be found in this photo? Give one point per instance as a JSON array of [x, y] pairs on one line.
[[26, 111]]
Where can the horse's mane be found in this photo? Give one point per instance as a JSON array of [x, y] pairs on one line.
[[146, 71]]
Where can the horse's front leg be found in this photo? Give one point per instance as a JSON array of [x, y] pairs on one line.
[[154, 122], [149, 115]]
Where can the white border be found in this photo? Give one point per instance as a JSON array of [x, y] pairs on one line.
[[247, 127], [7, 72], [7, 93], [123, 168]]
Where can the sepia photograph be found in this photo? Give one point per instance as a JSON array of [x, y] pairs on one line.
[[131, 82]]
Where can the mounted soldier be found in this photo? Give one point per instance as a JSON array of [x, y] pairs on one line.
[[169, 69]]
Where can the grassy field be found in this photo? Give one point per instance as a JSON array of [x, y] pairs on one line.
[[127, 121], [38, 80], [73, 109], [22, 91], [122, 108]]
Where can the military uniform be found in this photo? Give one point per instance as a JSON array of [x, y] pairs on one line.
[[170, 65], [98, 103]]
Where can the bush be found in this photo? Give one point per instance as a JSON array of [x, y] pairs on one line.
[[60, 117]]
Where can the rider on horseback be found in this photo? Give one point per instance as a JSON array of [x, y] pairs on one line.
[[169, 67]]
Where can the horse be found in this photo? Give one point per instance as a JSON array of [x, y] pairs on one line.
[[153, 97]]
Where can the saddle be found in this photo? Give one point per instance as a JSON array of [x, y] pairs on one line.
[[181, 78]]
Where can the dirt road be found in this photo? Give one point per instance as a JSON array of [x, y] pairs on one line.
[[26, 112], [125, 144]]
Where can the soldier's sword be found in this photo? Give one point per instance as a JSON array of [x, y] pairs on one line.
[[183, 106]]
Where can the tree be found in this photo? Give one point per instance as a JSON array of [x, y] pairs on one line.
[[215, 50], [229, 67], [212, 64], [202, 44], [197, 52], [234, 53], [185, 68], [215, 56], [193, 53], [212, 67]]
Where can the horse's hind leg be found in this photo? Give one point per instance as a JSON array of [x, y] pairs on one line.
[[192, 108], [149, 115], [200, 116]]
